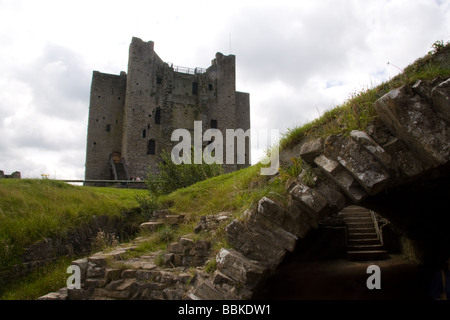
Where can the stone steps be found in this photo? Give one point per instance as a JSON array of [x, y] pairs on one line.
[[357, 236], [364, 247], [363, 241]]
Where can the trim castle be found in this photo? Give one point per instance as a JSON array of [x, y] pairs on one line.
[[132, 116]]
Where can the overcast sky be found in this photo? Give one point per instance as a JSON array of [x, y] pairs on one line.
[[297, 59]]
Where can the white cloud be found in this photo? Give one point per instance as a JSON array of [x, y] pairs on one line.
[[295, 58]]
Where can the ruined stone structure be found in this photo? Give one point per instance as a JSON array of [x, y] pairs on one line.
[[14, 175], [399, 168], [132, 115]]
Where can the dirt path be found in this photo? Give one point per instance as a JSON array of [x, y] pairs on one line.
[[345, 280]]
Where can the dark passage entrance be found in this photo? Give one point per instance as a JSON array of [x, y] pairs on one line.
[[341, 279], [418, 210]]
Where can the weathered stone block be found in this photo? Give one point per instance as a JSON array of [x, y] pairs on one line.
[[151, 226], [253, 245], [311, 149], [370, 145], [83, 265], [239, 268], [440, 96], [129, 273], [309, 199], [93, 283], [118, 295], [175, 247], [206, 291], [436, 93], [410, 118], [112, 274], [173, 294], [51, 296], [94, 272], [359, 162], [331, 193], [202, 245], [403, 159], [146, 275], [178, 260], [42, 250], [160, 214], [188, 243], [292, 222], [341, 177], [272, 233], [97, 260], [219, 279], [173, 219], [79, 294], [169, 259]]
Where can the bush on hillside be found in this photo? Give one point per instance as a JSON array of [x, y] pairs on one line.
[[173, 176]]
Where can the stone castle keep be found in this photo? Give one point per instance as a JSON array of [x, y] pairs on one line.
[[132, 115]]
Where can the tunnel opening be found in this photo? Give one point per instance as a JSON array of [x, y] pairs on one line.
[[414, 223]]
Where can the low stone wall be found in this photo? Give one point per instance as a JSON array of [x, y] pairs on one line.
[[14, 175], [409, 139], [76, 242]]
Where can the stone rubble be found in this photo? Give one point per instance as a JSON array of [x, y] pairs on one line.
[[412, 136]]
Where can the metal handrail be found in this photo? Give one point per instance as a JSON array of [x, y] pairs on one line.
[[377, 228], [187, 70], [101, 181]]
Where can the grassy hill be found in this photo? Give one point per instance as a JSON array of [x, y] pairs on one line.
[[358, 112], [32, 209]]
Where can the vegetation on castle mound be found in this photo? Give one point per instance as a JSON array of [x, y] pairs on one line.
[[34, 209], [358, 111]]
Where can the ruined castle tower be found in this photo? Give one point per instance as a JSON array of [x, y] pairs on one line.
[[132, 115]]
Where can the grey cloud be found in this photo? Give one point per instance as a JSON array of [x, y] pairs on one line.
[[292, 45], [45, 133], [59, 81]]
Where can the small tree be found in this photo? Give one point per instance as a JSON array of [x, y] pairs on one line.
[[173, 176]]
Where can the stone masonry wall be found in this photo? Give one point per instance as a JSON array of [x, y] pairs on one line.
[[409, 140], [153, 99], [107, 100]]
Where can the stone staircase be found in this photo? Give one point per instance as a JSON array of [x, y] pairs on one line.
[[363, 238], [120, 171]]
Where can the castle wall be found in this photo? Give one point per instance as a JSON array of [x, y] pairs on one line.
[[142, 100], [160, 98], [243, 122], [105, 123]]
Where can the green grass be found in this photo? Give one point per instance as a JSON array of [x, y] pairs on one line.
[[47, 279], [358, 111], [229, 192], [234, 192], [31, 210], [34, 209]]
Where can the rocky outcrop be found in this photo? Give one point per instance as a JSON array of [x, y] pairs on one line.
[[410, 137]]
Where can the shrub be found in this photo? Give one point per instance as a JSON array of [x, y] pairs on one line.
[[173, 176]]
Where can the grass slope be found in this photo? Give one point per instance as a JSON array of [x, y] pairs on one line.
[[32, 209], [358, 111]]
